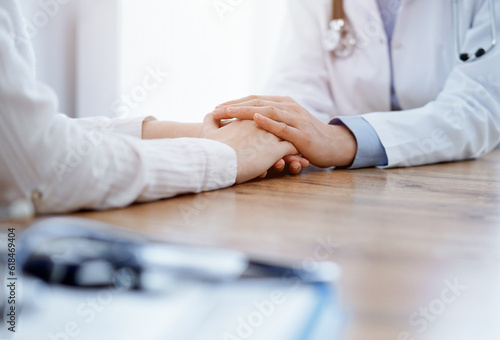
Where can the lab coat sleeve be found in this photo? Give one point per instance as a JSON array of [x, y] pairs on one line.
[[296, 73], [61, 166], [370, 150], [464, 120]]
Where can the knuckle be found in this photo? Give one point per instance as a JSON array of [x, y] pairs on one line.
[[282, 127], [294, 107], [258, 102]]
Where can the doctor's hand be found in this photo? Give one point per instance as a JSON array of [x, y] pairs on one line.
[[322, 144], [256, 149]]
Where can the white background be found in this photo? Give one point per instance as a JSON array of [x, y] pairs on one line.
[[94, 52]]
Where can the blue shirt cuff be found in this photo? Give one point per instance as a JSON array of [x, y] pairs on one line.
[[370, 152]]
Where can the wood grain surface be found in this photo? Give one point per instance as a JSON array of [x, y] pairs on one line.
[[401, 237]]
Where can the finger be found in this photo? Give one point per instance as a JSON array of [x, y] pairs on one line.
[[227, 112], [256, 103], [291, 158], [248, 113], [295, 167], [304, 163], [280, 130], [287, 148], [296, 159], [278, 99], [230, 113], [210, 123], [263, 175], [280, 165]]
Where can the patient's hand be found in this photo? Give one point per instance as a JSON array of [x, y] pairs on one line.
[[154, 129], [256, 149], [292, 163]]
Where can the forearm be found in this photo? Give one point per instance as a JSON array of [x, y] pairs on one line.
[[143, 127], [76, 168], [121, 169], [159, 130]]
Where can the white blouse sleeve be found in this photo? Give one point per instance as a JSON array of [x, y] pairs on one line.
[[63, 166], [125, 126]]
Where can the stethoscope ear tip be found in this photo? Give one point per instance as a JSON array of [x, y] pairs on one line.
[[480, 53], [464, 57], [467, 57]]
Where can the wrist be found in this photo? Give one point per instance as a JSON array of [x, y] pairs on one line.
[[161, 130], [344, 146]]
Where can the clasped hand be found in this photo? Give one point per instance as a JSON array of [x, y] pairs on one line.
[[322, 144], [256, 149]]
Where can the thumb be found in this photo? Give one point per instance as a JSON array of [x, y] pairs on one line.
[[210, 123], [288, 148]]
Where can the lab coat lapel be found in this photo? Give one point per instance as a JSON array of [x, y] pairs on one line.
[[371, 60]]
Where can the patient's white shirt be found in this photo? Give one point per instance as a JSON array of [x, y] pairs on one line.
[[63, 164]]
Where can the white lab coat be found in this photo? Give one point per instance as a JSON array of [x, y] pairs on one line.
[[451, 110]]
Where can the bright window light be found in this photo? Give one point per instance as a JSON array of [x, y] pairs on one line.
[[179, 59]]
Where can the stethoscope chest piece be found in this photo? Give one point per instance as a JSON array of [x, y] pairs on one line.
[[331, 40], [339, 39]]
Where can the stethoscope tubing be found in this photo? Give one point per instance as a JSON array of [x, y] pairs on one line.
[[456, 23]]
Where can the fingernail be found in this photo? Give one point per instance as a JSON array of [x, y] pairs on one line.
[[233, 110], [219, 111], [219, 106]]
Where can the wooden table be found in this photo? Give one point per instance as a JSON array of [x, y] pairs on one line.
[[399, 236]]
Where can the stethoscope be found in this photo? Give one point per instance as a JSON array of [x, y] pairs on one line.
[[341, 41]]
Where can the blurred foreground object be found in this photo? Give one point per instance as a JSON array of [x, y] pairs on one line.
[[137, 289]]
